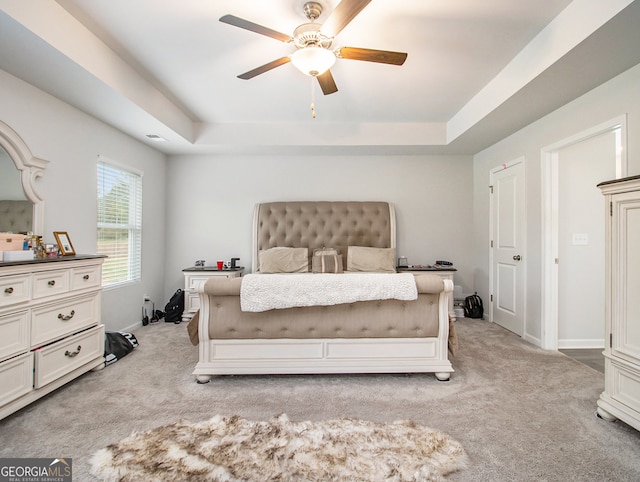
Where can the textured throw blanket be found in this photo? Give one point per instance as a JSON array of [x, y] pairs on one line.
[[262, 292]]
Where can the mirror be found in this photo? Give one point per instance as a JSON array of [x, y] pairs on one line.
[[16, 211], [21, 208]]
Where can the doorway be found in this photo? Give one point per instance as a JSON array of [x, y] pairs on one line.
[[573, 233]]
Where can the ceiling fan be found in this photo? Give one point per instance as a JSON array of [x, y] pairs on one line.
[[313, 41]]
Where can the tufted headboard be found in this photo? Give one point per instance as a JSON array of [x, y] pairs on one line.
[[314, 224], [16, 216]]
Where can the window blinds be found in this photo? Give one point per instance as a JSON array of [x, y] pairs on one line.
[[119, 223]]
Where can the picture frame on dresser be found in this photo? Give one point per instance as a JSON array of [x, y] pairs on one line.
[[64, 243]]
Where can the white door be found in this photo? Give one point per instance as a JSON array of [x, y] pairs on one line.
[[507, 246]]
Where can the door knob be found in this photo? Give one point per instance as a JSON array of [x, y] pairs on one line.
[[517, 257]]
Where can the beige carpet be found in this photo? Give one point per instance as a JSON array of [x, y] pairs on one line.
[[233, 449], [521, 413]]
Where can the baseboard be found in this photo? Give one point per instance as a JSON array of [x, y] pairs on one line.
[[133, 327], [576, 344], [532, 339]]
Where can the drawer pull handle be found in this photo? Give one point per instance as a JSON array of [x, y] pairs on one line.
[[85, 277], [66, 318], [52, 282], [9, 290], [71, 354]]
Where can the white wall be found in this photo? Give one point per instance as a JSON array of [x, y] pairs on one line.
[[211, 200], [72, 141], [616, 97]]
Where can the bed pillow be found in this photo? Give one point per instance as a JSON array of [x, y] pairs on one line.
[[284, 260], [361, 258], [326, 260]]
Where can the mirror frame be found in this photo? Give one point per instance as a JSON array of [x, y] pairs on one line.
[[30, 167]]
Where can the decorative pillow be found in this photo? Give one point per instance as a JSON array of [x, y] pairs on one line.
[[326, 260], [361, 258], [284, 260]]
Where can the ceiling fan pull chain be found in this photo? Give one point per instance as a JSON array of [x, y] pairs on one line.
[[313, 98]]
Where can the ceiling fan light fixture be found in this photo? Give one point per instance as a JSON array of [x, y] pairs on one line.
[[313, 60]]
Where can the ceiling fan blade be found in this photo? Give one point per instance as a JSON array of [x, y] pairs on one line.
[[342, 15], [370, 55], [327, 84], [264, 68], [254, 27]]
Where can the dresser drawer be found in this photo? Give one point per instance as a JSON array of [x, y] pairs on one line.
[[14, 334], [50, 283], [14, 289], [191, 281], [58, 359], [191, 301], [16, 377], [55, 320], [86, 277]]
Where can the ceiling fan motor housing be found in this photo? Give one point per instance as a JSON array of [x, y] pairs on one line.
[[308, 34]]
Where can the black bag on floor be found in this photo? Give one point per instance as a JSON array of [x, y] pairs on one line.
[[117, 345], [473, 306], [173, 310]]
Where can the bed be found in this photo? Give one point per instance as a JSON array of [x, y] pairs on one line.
[[393, 334]]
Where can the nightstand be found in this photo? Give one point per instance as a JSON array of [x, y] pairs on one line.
[[197, 274], [444, 273]]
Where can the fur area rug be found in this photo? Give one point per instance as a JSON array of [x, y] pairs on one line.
[[235, 449]]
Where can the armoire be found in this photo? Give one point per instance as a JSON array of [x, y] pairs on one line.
[[621, 396]]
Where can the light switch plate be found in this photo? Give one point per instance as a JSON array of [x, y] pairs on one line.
[[580, 239]]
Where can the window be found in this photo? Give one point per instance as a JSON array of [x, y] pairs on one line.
[[119, 222]]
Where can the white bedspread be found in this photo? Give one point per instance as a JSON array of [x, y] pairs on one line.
[[262, 292]]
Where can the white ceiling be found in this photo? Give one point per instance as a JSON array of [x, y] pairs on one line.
[[476, 71]]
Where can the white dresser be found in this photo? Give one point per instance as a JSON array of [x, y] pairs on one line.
[[50, 328], [198, 274], [621, 396]]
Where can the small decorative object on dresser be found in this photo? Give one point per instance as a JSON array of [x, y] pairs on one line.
[[64, 243], [621, 396], [50, 328]]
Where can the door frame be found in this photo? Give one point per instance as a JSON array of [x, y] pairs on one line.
[[550, 194], [492, 172]]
